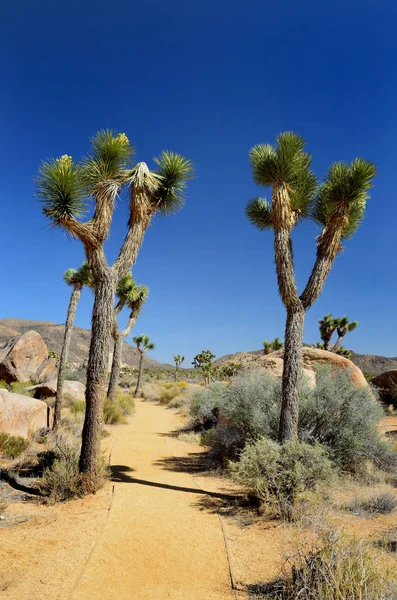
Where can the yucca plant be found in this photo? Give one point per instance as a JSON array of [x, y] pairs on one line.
[[63, 186], [267, 347], [327, 327], [132, 296], [337, 206], [178, 360], [343, 327], [143, 344], [77, 280]]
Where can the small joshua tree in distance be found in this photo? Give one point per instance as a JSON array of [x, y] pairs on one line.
[[203, 361], [143, 344], [343, 327], [178, 360]]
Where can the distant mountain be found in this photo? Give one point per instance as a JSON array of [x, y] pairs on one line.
[[366, 362], [53, 337]]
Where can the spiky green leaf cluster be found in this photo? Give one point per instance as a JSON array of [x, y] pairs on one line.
[[59, 187], [259, 212], [111, 155], [178, 360], [284, 163], [130, 294], [173, 173], [344, 326], [143, 342], [80, 277], [345, 187], [203, 359]]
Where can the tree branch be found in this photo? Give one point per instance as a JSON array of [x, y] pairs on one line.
[[130, 248]]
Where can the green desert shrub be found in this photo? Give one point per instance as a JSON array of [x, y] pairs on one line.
[[336, 414], [279, 475], [113, 413], [3, 385], [12, 446], [344, 419], [61, 479], [333, 567], [126, 403], [19, 387], [76, 374], [204, 407], [378, 503], [77, 406], [168, 393]]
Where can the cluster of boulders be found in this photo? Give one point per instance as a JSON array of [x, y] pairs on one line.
[[24, 358]]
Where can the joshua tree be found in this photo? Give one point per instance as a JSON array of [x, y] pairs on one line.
[[178, 360], [337, 206], [143, 344], [203, 361], [269, 347], [343, 327], [63, 186], [76, 279], [327, 327], [277, 344], [134, 297]]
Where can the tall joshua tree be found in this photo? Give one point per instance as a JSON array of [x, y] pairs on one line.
[[343, 327], [327, 327], [77, 280], [64, 186], [143, 344], [134, 297], [178, 360], [337, 206]]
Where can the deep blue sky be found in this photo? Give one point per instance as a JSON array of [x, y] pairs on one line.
[[209, 80]]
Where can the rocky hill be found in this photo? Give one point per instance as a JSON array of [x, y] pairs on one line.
[[53, 337], [366, 362]]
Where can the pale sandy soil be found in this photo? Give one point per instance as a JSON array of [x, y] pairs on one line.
[[154, 533]]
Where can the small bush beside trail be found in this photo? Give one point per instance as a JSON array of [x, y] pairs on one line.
[[333, 567], [278, 475], [12, 446], [61, 479], [168, 393]]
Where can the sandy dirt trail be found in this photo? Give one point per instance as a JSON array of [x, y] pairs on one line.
[[156, 543]]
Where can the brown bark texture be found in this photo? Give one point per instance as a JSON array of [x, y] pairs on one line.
[[117, 357], [74, 299]]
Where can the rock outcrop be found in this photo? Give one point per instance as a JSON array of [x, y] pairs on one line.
[[46, 371], [387, 385], [21, 357], [312, 358], [49, 389], [21, 415]]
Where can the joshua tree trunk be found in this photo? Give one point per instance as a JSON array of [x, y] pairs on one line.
[[117, 355], [74, 299], [138, 383], [102, 322], [337, 344], [176, 373], [292, 375]]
